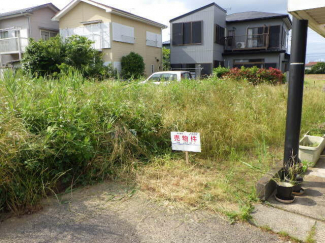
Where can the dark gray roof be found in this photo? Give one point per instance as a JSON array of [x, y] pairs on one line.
[[197, 10], [28, 10], [253, 15]]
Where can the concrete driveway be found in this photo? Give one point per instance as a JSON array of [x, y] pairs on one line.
[[109, 212]]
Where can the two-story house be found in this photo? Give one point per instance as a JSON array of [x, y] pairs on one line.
[[241, 39], [17, 26], [193, 39], [115, 32]]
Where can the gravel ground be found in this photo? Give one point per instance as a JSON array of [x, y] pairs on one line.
[[109, 212]]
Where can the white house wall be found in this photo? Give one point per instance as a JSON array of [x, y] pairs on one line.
[[196, 53]]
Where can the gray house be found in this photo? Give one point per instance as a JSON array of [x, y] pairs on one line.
[[241, 39], [17, 26], [193, 38]]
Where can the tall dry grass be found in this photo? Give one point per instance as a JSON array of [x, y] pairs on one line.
[[67, 131]]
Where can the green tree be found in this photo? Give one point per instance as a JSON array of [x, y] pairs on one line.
[[166, 58], [319, 68], [132, 66], [57, 55], [43, 57]]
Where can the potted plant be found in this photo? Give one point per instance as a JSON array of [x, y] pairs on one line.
[[295, 174], [284, 187], [289, 181], [284, 192]]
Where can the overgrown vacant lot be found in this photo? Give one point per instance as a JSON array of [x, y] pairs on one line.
[[61, 133]]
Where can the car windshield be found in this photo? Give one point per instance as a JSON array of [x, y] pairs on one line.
[[186, 75], [163, 77]]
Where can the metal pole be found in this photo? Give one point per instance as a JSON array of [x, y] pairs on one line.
[[295, 93]]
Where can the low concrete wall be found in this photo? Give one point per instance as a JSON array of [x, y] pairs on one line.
[[266, 186]]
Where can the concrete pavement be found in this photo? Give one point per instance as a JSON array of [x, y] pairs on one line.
[[110, 212], [299, 218]]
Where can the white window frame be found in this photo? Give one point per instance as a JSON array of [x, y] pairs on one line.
[[49, 32]]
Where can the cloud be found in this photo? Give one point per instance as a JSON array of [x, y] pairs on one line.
[[164, 10], [158, 10]]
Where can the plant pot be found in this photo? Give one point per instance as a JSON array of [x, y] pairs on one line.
[[284, 190], [310, 153], [297, 187]]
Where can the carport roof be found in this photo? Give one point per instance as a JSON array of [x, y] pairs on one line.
[[311, 10]]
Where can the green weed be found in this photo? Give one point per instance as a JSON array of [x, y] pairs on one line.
[[69, 131], [311, 236]]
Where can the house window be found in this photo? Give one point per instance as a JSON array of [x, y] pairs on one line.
[[98, 33], [197, 32], [275, 36], [231, 38], [256, 37], [284, 38], [152, 68], [220, 35], [46, 34], [123, 33], [4, 34], [218, 64], [153, 39], [189, 33]]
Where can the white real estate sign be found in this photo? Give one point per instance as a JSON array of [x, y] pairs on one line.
[[186, 141]]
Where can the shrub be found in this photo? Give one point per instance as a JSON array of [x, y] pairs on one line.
[[43, 57], [54, 55], [219, 72], [256, 75], [307, 71], [166, 59], [132, 66], [319, 68]]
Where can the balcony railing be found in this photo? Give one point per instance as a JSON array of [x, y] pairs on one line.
[[247, 42], [13, 45]]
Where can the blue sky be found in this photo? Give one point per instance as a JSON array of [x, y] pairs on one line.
[[164, 10]]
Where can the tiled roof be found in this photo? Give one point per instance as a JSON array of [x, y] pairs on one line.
[[310, 64]]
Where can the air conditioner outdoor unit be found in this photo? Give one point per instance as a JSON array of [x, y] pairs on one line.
[[240, 45]]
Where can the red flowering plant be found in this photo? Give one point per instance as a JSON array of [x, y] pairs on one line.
[[256, 75]]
